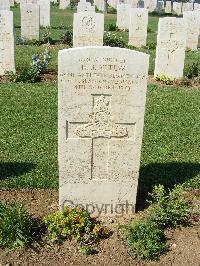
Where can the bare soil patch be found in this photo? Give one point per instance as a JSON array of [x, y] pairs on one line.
[[184, 243]]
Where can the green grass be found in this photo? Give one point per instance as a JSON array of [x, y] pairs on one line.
[[170, 153]]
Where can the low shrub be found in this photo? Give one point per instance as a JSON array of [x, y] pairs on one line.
[[146, 240], [75, 223], [25, 41], [46, 36], [111, 39], [15, 225], [111, 27], [31, 74], [192, 69], [169, 210], [164, 79], [67, 37]]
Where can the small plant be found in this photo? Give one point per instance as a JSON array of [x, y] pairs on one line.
[[192, 69], [46, 36], [112, 27], [25, 41], [15, 225], [169, 210], [31, 74], [164, 79], [146, 240], [67, 37], [74, 223], [151, 46], [111, 39], [149, 30]]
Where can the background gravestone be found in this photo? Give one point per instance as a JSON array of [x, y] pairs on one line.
[[170, 50], [101, 105], [123, 17], [30, 21], [138, 27], [7, 51], [192, 19], [45, 13], [88, 29]]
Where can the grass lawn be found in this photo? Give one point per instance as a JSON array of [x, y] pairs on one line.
[[29, 136], [28, 129]]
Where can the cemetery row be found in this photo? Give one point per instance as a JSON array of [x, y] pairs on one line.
[[175, 35], [151, 5]]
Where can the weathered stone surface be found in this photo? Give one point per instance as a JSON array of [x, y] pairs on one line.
[[4, 4], [177, 8], [88, 29], [83, 5], [64, 4], [192, 22], [138, 27], [132, 3], [45, 11], [7, 51], [101, 105], [196, 6], [168, 7], [123, 16], [187, 7], [170, 50], [30, 21], [152, 5], [100, 4]]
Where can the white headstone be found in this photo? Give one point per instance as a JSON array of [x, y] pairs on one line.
[[101, 105], [187, 7], [160, 6], [4, 4], [64, 4], [88, 29], [45, 10], [170, 50], [12, 2], [7, 50], [177, 8], [152, 5], [123, 16], [138, 27], [100, 4], [83, 5], [132, 3], [30, 21], [192, 22], [112, 3], [168, 7], [196, 6]]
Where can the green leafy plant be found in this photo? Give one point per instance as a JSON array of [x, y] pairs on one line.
[[164, 79], [145, 239], [111, 39], [46, 36], [67, 36], [151, 45], [74, 223], [15, 225], [111, 27], [192, 69], [169, 210], [31, 74]]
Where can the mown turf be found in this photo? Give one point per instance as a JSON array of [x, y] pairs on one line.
[[29, 136]]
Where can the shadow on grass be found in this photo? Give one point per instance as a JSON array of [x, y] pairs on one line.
[[14, 169], [167, 174]]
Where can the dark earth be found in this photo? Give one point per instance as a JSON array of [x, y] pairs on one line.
[[183, 243]]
